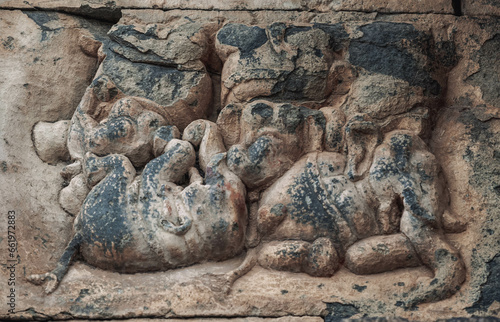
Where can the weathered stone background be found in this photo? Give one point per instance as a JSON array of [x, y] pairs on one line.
[[48, 58]]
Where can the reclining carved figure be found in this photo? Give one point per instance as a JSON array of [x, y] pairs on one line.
[[318, 215], [139, 223]]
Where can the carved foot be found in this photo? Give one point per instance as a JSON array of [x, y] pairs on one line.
[[218, 283], [223, 283], [161, 138], [194, 176], [39, 279], [71, 170]]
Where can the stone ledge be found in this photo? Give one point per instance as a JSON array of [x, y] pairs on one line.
[[383, 6]]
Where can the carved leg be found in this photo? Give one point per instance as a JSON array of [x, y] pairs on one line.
[[381, 254], [171, 166], [252, 237], [360, 145], [96, 168], [319, 258], [194, 176], [205, 135], [55, 276], [404, 166], [161, 138], [158, 188], [437, 254]]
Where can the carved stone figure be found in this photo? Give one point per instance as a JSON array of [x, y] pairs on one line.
[[137, 223], [317, 215]]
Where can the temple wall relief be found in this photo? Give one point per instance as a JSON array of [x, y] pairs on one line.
[[317, 162]]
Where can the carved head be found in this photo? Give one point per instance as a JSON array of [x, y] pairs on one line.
[[127, 130], [266, 138]]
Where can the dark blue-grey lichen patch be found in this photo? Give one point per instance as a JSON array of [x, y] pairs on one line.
[[276, 32], [139, 53], [259, 150], [337, 34], [412, 201], [339, 311], [384, 49], [293, 30], [163, 85], [490, 290], [166, 133], [278, 210], [254, 159], [190, 196], [299, 83], [105, 221], [488, 78], [480, 155], [401, 146], [214, 177], [115, 129], [220, 227], [291, 118], [42, 19], [291, 251], [484, 179], [263, 110], [109, 12], [421, 171], [8, 43], [293, 84], [245, 38], [445, 54], [121, 32], [101, 90], [359, 288], [234, 157], [311, 205], [384, 168]]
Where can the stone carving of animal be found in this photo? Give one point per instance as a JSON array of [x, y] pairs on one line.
[[146, 222], [318, 215]]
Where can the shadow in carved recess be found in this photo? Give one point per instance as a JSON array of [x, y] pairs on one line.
[[317, 159]]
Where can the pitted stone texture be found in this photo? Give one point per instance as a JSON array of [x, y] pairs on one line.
[[481, 8], [181, 42], [487, 78], [467, 143], [106, 9], [413, 64], [282, 62]]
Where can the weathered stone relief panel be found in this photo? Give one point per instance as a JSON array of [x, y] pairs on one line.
[[254, 163]]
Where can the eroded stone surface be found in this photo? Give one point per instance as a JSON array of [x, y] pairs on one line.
[[337, 182], [108, 9]]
